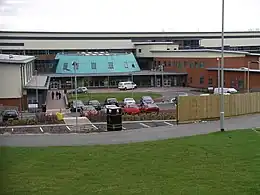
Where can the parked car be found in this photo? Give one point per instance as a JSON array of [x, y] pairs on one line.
[[73, 105], [146, 100], [225, 90], [129, 101], [112, 106], [149, 108], [88, 110], [131, 109], [79, 90], [126, 85], [95, 103], [175, 99], [111, 101], [10, 114]]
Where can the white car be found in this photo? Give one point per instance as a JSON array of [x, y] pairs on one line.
[[129, 101], [126, 85], [109, 106]]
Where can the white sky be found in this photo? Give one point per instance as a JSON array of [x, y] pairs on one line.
[[128, 15]]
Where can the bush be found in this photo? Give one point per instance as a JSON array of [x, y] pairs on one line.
[[162, 115], [41, 118]]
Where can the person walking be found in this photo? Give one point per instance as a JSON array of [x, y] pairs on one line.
[[57, 95], [52, 95]]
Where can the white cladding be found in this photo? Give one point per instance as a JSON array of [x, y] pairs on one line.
[[127, 35], [10, 81], [194, 54], [69, 44], [145, 50], [233, 42]]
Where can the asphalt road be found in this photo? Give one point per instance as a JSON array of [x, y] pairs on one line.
[[139, 135]]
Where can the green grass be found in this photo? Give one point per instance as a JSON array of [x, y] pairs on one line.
[[215, 164], [119, 95]]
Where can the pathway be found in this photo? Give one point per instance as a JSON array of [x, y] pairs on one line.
[[129, 136], [55, 105]]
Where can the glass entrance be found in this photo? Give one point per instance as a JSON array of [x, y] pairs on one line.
[[54, 85], [167, 82], [158, 82]]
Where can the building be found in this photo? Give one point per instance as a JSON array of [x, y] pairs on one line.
[[155, 52], [18, 83], [104, 69], [200, 64]]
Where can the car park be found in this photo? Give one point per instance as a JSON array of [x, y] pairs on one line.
[[76, 104], [131, 109], [88, 110], [126, 85], [129, 101], [95, 103], [148, 108], [79, 90], [10, 114]]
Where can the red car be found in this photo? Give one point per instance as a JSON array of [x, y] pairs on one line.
[[149, 108], [131, 109], [88, 111]]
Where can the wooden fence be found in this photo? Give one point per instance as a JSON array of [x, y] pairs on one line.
[[192, 108]]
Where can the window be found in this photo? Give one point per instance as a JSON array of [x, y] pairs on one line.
[[240, 84], [140, 50], [65, 66], [110, 65], [126, 65], [191, 65], [196, 64], [202, 65], [133, 65], [210, 81], [201, 79], [93, 65]]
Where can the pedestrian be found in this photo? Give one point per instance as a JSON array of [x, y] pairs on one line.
[[52, 95], [57, 95]]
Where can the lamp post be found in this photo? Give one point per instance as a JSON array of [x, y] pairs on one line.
[[222, 112], [132, 78], [76, 66], [36, 90], [218, 75], [162, 71]]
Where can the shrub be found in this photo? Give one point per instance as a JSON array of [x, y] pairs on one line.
[[162, 115]]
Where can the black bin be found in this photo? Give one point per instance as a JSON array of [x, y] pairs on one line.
[[114, 119], [44, 108]]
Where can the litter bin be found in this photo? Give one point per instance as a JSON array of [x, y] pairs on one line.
[[114, 119], [44, 108]]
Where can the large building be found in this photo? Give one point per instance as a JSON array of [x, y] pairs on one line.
[[154, 52]]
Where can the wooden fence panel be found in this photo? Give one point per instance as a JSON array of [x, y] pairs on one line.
[[192, 108]]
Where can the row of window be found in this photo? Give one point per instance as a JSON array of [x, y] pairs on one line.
[[182, 64], [94, 65]]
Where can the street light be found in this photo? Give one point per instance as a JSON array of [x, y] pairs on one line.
[[36, 90], [162, 71], [218, 75], [248, 73], [76, 66], [222, 111]]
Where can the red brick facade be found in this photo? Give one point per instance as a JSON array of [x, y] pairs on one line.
[[16, 102], [199, 76]]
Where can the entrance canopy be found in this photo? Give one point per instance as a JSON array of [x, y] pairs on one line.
[[38, 82]]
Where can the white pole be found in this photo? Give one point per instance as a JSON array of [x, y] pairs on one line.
[[222, 109], [218, 75], [36, 91], [132, 78], [76, 93], [248, 80], [162, 69]]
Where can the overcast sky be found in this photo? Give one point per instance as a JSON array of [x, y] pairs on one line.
[[128, 15]]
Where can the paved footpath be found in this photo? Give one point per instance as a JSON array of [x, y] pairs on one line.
[[138, 135]]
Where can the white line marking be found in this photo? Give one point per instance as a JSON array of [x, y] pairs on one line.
[[168, 123], [123, 128], [147, 126], [94, 126], [68, 128], [41, 129]]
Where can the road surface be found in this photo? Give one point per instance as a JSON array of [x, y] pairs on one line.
[[139, 135]]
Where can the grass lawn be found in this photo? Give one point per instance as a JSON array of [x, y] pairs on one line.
[[215, 164], [119, 95]]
